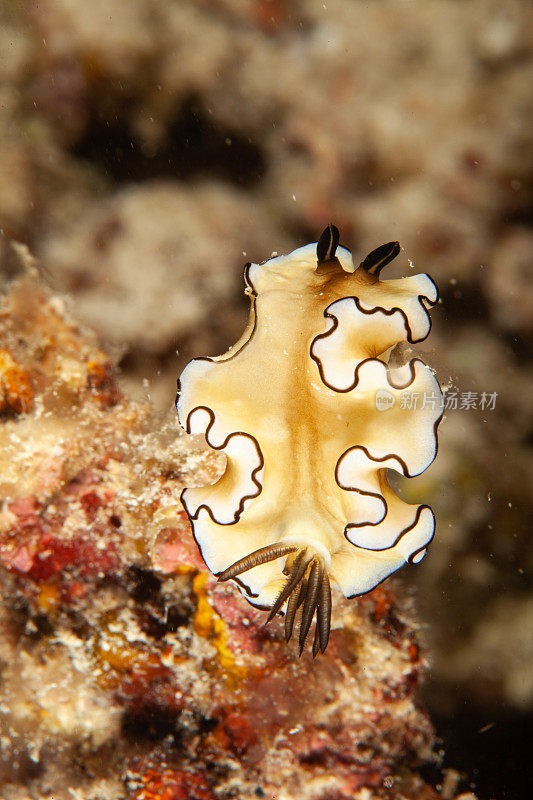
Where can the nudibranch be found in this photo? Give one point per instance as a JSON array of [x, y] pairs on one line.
[[309, 408]]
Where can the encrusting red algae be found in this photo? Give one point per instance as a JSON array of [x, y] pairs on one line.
[[126, 667]]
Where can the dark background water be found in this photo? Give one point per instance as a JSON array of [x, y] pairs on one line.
[[147, 159]]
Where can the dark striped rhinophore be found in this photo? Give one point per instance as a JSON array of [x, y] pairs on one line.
[[307, 587], [327, 244], [380, 257]]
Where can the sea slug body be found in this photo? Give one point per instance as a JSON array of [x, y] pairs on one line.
[[309, 409]]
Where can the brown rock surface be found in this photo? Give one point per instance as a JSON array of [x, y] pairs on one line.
[[244, 126], [127, 671]]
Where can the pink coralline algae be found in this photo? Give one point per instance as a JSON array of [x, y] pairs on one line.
[[128, 672]]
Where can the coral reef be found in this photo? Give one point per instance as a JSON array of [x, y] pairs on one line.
[[127, 670], [150, 149], [171, 233]]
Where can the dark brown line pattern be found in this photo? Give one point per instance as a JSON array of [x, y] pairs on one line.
[[360, 594], [399, 536], [249, 597], [253, 295], [224, 444], [388, 312], [409, 560], [412, 375], [247, 280], [253, 310], [392, 456], [424, 547], [410, 364], [361, 491], [423, 300], [219, 359]]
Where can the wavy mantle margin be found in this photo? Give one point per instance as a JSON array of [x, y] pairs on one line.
[[375, 310], [253, 475], [425, 302]]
